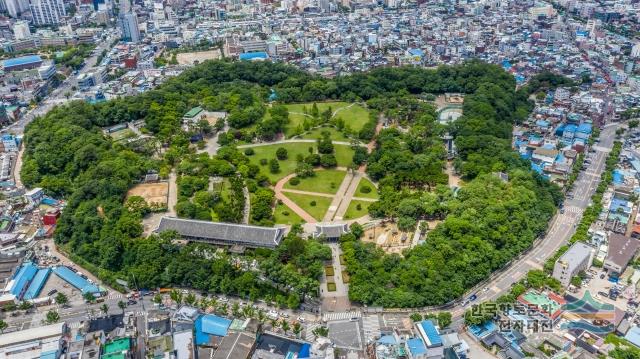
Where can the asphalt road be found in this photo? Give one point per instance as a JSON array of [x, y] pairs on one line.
[[560, 230]]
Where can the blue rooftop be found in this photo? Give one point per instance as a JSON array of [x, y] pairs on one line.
[[618, 177], [37, 283], [210, 324], [542, 123], [621, 204], [416, 52], [484, 329], [254, 56], [570, 128], [23, 277], [585, 128], [432, 336], [75, 280], [633, 336], [416, 346], [23, 60], [387, 339]]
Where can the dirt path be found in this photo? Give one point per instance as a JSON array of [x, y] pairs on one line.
[[454, 180], [18, 167], [289, 203], [173, 194], [247, 205]]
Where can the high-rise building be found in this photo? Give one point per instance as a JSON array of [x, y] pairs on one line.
[[125, 7], [16, 7], [635, 51], [324, 5], [130, 29], [47, 12], [21, 30]]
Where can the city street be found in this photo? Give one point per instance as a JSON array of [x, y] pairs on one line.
[[560, 231]]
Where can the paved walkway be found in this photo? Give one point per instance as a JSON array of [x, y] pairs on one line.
[[339, 198], [297, 140], [289, 203], [338, 300], [318, 194], [347, 196]]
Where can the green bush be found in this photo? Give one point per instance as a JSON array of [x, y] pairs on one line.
[[294, 181], [365, 189], [249, 152], [312, 203]]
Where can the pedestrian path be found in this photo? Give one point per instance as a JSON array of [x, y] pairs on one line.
[[115, 296], [328, 317], [340, 199], [74, 325], [572, 209], [308, 334], [371, 327]]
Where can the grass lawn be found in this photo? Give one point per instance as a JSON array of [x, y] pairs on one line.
[[328, 270], [353, 212], [224, 188], [284, 215], [296, 113], [304, 201], [344, 155], [331, 286], [355, 116], [317, 133], [365, 182], [122, 134], [325, 181], [286, 166]]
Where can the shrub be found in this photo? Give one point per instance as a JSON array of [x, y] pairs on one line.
[[328, 161], [313, 203], [282, 154], [313, 159], [249, 152], [263, 161], [285, 213], [359, 207], [365, 189], [274, 166], [294, 181]]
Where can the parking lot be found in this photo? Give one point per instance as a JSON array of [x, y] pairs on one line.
[[346, 334]]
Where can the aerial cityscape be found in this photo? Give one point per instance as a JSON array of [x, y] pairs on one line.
[[331, 179]]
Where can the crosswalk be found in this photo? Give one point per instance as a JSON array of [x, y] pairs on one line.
[[340, 316], [74, 325], [371, 327], [572, 209], [308, 334], [115, 296]]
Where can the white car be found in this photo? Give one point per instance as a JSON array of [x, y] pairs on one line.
[[300, 319]]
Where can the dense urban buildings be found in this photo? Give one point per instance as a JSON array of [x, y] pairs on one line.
[[353, 179]]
